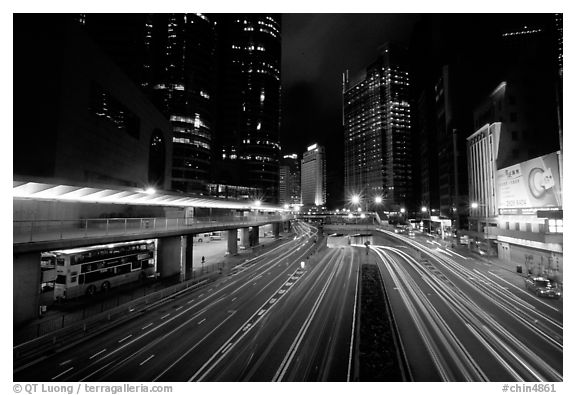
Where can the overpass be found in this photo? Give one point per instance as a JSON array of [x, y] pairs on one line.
[[174, 234]]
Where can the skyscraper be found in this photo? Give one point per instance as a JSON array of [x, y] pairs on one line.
[[314, 176], [180, 80], [172, 58], [376, 117], [290, 192], [248, 104]]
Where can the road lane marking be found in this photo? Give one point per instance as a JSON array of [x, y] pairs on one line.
[[147, 326], [227, 347], [461, 256], [234, 298], [64, 372], [353, 326], [194, 347], [210, 364], [178, 308], [98, 353], [64, 363], [127, 337], [164, 316], [147, 359], [200, 322]]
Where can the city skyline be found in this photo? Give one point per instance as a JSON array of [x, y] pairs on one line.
[[289, 197]]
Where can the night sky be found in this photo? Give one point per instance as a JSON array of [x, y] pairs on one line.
[[316, 50]]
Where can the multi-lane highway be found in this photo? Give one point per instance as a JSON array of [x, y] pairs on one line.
[[274, 319], [291, 315], [461, 321]]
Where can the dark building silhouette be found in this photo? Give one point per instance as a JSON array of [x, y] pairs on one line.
[[377, 131], [248, 99], [81, 119], [172, 58], [290, 190]]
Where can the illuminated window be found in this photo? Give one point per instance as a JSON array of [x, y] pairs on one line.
[[556, 226]]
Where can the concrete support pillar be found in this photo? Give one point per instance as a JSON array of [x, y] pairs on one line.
[[287, 226], [26, 287], [232, 242], [169, 256], [244, 237], [188, 257], [254, 236], [276, 229]]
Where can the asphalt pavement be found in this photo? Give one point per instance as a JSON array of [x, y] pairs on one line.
[[271, 319], [465, 319]]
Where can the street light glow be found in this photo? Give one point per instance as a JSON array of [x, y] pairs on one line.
[[355, 199], [150, 191], [402, 210], [257, 203], [474, 205], [424, 209], [378, 199]]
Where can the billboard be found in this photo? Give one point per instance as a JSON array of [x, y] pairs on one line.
[[532, 184]]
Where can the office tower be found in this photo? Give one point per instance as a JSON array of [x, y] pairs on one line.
[[172, 58], [290, 192], [313, 182], [180, 72], [377, 131], [248, 103]]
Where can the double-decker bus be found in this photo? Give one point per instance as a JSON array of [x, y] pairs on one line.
[[85, 271]]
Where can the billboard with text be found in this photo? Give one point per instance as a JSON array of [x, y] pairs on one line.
[[532, 184]]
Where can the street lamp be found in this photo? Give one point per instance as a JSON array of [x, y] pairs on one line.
[[474, 205], [355, 199], [378, 199]]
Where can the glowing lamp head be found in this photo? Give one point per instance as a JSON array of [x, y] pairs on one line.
[[402, 210], [378, 199], [355, 199], [474, 205], [424, 209], [150, 191]]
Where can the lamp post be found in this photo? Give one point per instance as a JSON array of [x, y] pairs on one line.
[[424, 210]]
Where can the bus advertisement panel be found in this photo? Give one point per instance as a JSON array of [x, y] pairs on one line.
[[85, 271], [531, 184]]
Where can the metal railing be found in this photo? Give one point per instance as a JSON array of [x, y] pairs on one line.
[[48, 230]]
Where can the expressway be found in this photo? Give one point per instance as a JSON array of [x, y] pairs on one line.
[[274, 319], [461, 321]]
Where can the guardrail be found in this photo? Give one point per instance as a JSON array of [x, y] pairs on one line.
[[48, 230]]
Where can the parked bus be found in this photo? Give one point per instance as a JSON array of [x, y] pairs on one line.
[[47, 272], [85, 271]]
